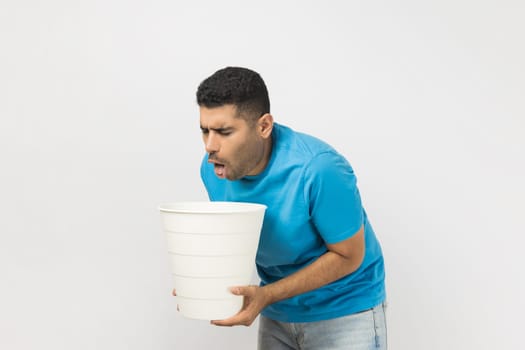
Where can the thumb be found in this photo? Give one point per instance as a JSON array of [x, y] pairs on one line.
[[240, 290], [235, 290]]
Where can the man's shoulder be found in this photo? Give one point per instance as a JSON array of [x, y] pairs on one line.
[[300, 143]]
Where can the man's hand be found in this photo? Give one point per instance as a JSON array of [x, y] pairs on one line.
[[255, 299]]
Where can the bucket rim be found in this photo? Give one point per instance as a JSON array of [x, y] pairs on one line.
[[210, 207]]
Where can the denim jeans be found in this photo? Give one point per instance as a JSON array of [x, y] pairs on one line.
[[361, 331]]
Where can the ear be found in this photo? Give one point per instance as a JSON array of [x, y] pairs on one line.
[[265, 125]]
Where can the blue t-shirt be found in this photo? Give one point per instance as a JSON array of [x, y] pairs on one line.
[[312, 198]]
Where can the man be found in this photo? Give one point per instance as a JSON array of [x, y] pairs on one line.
[[320, 264]]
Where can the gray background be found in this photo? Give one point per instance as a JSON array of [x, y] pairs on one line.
[[99, 126]]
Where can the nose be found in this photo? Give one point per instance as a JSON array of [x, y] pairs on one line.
[[211, 143]]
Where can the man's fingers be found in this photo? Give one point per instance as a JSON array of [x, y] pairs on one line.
[[236, 320], [221, 323], [174, 292]]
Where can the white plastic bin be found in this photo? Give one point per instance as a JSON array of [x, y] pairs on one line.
[[212, 246]]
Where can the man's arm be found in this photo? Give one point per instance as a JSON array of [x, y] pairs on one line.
[[340, 260]]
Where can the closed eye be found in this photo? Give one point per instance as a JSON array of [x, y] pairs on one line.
[[220, 131]]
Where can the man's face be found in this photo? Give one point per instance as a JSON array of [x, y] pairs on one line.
[[235, 147]]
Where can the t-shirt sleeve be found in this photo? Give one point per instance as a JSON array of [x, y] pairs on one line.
[[333, 197]]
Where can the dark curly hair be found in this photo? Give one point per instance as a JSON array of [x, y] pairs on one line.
[[239, 86]]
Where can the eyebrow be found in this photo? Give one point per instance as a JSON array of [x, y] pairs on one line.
[[221, 129]]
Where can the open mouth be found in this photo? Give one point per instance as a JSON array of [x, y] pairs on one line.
[[218, 167], [219, 170]]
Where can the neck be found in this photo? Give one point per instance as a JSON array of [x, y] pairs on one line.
[[267, 154]]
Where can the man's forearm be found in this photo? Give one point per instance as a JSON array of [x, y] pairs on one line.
[[329, 267]]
